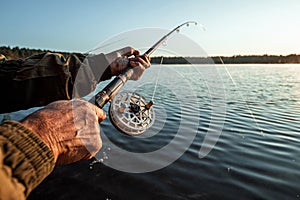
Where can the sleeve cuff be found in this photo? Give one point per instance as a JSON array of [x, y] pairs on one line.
[[27, 155], [100, 67]]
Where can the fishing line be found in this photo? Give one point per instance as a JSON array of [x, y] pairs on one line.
[[157, 76], [227, 71], [243, 99]]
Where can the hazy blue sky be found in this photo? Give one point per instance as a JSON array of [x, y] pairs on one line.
[[232, 26]]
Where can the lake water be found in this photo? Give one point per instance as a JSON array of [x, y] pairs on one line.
[[234, 131]]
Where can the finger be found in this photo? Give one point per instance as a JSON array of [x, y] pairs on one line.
[[128, 51], [138, 71], [145, 57], [136, 53], [140, 60], [147, 61], [100, 113], [134, 63]]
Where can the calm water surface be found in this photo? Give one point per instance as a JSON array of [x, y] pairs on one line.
[[256, 155]]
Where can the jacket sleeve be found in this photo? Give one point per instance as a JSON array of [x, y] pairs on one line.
[[44, 78], [24, 161]]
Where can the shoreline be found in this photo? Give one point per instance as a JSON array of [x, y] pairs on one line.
[[21, 53], [247, 59]]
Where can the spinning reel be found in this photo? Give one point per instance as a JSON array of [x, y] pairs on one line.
[[129, 112]]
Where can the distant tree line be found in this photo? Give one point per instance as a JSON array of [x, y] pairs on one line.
[[240, 59], [264, 59], [20, 53]]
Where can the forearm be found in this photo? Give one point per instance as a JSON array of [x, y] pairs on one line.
[[93, 68], [45, 78], [25, 160]]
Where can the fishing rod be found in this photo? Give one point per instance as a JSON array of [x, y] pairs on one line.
[[129, 112]]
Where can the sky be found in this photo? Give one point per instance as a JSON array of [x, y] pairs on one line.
[[232, 27]]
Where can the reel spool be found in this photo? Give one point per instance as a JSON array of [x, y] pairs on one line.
[[130, 113]]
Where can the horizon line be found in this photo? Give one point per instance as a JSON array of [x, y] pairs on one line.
[[208, 55]]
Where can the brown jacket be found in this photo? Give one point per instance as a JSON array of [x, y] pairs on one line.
[[44, 78], [36, 81]]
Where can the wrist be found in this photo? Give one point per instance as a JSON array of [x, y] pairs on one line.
[[100, 66], [32, 154], [36, 130]]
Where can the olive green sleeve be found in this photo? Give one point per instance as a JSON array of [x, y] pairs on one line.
[[44, 78], [25, 160]]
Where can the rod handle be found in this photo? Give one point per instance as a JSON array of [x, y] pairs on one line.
[[113, 87]]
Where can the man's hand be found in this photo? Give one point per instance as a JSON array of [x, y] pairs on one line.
[[69, 128], [120, 59]]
